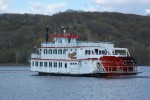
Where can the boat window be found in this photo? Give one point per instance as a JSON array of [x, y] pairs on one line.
[[45, 64], [45, 51], [59, 40], [50, 64], [65, 65], [120, 52], [60, 51], [64, 51], [36, 63], [92, 52], [69, 40], [96, 51], [41, 64], [60, 64], [33, 63], [87, 52], [104, 52], [55, 51], [100, 52], [55, 64], [50, 51], [113, 52]]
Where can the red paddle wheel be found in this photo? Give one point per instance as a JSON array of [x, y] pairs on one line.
[[118, 64]]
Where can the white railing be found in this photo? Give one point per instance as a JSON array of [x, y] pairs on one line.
[[121, 69], [99, 44]]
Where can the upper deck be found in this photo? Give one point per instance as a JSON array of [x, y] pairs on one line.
[[68, 44], [77, 44]]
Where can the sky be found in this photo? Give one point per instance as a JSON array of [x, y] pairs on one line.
[[50, 7]]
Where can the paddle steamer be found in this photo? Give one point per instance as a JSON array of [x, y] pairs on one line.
[[67, 56]]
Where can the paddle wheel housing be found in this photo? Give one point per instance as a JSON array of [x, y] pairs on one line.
[[118, 64]]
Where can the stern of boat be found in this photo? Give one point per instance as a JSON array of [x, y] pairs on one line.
[[113, 65]]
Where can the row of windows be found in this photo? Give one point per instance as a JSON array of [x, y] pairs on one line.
[[96, 51], [56, 51], [73, 63], [50, 64], [59, 40]]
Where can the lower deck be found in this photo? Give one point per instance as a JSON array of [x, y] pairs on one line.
[[82, 67], [64, 67]]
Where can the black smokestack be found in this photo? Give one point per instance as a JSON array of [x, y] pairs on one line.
[[46, 36]]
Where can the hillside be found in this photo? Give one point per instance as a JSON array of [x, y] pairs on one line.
[[20, 32]]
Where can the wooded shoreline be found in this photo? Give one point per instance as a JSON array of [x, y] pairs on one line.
[[19, 33]]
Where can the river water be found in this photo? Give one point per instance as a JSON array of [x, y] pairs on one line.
[[18, 83]]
